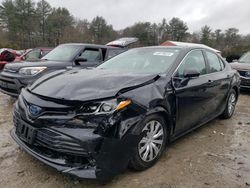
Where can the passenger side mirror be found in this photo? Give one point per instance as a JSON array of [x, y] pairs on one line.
[[191, 73], [80, 59]]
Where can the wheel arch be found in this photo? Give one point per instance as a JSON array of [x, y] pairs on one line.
[[236, 89], [163, 112]]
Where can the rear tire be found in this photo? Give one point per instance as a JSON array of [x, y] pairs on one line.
[[230, 107], [152, 145]]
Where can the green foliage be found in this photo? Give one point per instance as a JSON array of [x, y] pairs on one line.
[[177, 29], [58, 21], [144, 31], [102, 32], [206, 33], [43, 10]]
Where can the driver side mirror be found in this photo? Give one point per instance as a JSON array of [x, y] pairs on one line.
[[191, 73], [80, 59]]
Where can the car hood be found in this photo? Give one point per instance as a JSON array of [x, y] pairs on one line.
[[14, 67], [240, 66], [89, 84]]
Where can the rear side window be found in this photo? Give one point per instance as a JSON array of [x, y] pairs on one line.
[[214, 62], [114, 52], [194, 60]]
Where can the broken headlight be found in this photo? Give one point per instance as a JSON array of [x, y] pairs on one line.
[[103, 107]]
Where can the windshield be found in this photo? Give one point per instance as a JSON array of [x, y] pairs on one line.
[[245, 58], [143, 60], [63, 53]]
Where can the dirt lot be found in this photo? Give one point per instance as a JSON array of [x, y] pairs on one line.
[[216, 155]]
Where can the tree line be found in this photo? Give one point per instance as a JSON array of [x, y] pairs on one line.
[[27, 24]]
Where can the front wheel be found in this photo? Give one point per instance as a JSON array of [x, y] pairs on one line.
[[230, 107], [151, 146]]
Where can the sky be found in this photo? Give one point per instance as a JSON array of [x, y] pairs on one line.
[[196, 13]]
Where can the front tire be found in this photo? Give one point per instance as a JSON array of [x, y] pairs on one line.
[[152, 145], [230, 107]]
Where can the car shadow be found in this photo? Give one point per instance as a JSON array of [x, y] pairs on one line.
[[244, 91]]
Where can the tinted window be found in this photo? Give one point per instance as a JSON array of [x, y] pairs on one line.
[[143, 60], [194, 60], [114, 52], [91, 55], [213, 61]]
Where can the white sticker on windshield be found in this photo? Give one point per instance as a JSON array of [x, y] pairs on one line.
[[169, 54]]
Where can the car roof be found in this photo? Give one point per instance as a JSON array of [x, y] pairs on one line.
[[88, 44], [189, 44], [187, 48]]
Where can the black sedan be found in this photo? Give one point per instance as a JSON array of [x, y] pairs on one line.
[[243, 67], [94, 123], [16, 76]]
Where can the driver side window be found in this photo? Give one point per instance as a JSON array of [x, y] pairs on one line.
[[91, 55], [194, 61]]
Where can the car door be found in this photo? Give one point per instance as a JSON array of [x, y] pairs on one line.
[[89, 57], [191, 94], [219, 83]]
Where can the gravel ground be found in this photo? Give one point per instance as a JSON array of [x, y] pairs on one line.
[[215, 155]]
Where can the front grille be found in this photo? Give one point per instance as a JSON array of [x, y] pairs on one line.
[[14, 91], [8, 85], [52, 111], [245, 82], [58, 142], [67, 159], [7, 81]]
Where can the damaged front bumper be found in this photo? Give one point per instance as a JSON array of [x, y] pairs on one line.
[[100, 158]]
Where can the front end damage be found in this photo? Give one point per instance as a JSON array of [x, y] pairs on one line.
[[86, 146]]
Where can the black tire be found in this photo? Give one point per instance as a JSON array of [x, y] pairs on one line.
[[228, 113], [137, 163]]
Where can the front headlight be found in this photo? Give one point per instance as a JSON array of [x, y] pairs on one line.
[[104, 107], [31, 70]]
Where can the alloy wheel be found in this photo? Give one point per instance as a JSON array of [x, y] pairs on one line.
[[231, 103]]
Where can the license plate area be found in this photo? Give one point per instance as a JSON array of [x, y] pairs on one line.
[[25, 132]]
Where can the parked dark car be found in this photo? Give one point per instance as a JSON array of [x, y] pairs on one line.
[[94, 123], [16, 76], [243, 67]]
